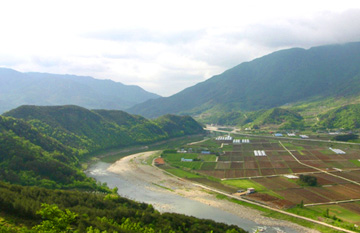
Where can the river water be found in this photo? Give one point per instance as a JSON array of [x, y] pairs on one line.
[[142, 191]]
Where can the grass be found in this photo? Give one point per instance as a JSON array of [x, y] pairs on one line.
[[244, 184], [176, 157], [207, 158], [163, 187], [189, 165], [182, 173], [355, 161], [277, 215], [339, 211]]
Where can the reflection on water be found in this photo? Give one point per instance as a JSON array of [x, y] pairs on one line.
[[165, 201]]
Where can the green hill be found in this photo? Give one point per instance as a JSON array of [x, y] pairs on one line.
[[29, 157], [283, 77], [347, 117], [42, 145], [274, 118], [89, 131], [283, 118]]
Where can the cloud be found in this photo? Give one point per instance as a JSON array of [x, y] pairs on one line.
[[166, 49], [146, 35]]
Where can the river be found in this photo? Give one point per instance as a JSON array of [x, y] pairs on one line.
[[142, 191]]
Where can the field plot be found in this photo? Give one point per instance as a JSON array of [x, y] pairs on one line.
[[239, 164], [238, 167]]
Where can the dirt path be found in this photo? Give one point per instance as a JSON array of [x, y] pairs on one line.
[[134, 167]]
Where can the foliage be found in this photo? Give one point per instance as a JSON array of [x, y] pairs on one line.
[[346, 137], [54, 219], [46, 149], [308, 180], [347, 117], [90, 131], [73, 211]]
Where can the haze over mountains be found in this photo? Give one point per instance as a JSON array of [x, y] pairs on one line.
[[280, 78], [18, 88]]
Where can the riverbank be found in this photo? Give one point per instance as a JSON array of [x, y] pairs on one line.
[[134, 167]]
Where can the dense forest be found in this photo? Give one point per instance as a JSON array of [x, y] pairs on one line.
[[44, 210], [43, 189], [347, 117], [88, 131], [275, 117]]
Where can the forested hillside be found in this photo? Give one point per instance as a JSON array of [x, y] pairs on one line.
[[28, 157], [44, 210], [275, 118], [280, 78], [89, 131], [347, 117], [41, 146]]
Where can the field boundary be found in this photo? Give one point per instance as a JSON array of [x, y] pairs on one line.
[[318, 169]]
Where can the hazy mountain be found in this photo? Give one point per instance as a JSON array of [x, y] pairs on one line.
[[18, 88], [283, 77]]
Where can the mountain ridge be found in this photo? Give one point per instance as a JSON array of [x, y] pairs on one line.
[[279, 78], [34, 88]]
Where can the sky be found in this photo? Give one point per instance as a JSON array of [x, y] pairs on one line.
[[164, 46]]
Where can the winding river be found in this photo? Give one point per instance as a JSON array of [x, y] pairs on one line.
[[143, 191]]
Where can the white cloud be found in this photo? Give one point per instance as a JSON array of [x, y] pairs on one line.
[[164, 46]]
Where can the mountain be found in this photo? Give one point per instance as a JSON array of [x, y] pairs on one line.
[[277, 79], [18, 88], [91, 130]]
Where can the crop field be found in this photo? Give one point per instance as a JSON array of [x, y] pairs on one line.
[[239, 168]]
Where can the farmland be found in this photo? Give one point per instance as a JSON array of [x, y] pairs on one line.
[[237, 166]]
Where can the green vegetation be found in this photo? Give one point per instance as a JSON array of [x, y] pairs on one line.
[[278, 79], [90, 131], [347, 117], [338, 211], [29, 157], [73, 211], [245, 184], [44, 148], [182, 173], [356, 162], [346, 137], [277, 215], [308, 180]]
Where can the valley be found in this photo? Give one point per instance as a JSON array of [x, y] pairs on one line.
[[230, 167], [168, 193]]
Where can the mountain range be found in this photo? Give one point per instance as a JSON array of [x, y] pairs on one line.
[[18, 89], [278, 79]]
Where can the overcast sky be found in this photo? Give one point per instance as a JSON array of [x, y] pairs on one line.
[[164, 46]]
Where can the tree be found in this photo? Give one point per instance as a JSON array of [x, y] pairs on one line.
[[55, 220]]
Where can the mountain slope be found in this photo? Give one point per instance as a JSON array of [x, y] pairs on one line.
[[29, 157], [347, 117], [89, 131], [53, 89], [286, 76]]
